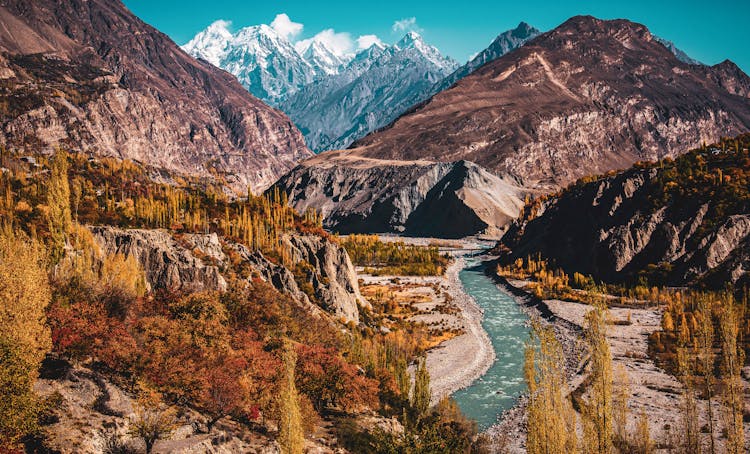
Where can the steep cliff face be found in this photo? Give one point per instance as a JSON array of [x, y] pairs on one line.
[[327, 268], [89, 76], [415, 198], [641, 223], [167, 264], [587, 97], [195, 262]]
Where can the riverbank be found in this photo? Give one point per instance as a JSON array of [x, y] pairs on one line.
[[509, 434], [457, 362], [651, 390]]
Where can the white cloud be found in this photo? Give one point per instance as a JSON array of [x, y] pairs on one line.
[[367, 41], [408, 24], [339, 43], [285, 27]]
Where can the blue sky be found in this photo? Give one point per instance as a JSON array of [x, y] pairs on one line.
[[708, 31]]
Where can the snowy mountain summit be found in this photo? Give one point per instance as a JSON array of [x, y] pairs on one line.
[[265, 62], [334, 95]]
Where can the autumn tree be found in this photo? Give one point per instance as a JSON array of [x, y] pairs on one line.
[[153, 420], [551, 420], [642, 442], [291, 435], [620, 394], [690, 436], [420, 398], [732, 359], [59, 218], [705, 349], [598, 416], [24, 338], [223, 392]]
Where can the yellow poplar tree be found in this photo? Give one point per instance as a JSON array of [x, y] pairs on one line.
[[732, 357], [59, 217], [291, 435], [598, 421], [24, 338], [551, 420]]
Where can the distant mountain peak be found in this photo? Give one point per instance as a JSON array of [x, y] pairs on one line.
[[504, 42], [323, 59], [211, 43], [680, 54], [523, 29]]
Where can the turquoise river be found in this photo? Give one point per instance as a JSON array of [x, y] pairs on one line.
[[497, 390]]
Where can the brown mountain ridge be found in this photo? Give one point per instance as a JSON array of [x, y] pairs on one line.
[[587, 97], [89, 76]]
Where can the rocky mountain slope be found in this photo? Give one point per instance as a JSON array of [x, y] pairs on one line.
[[676, 222], [420, 198], [375, 88], [584, 98], [89, 76]]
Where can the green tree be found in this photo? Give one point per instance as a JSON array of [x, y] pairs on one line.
[[420, 399]]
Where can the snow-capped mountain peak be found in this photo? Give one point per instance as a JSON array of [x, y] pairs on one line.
[[323, 59], [211, 44], [413, 40]]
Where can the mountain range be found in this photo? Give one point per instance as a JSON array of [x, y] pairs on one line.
[[587, 97], [377, 86], [337, 97], [89, 76], [333, 97]]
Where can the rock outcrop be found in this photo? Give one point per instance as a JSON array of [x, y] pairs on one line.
[[194, 262], [620, 228], [108, 411], [166, 263], [414, 198], [89, 76]]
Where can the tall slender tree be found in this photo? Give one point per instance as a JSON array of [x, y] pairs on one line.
[[291, 434], [420, 399], [706, 357], [24, 337], [598, 417], [551, 420], [59, 218], [732, 359]]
